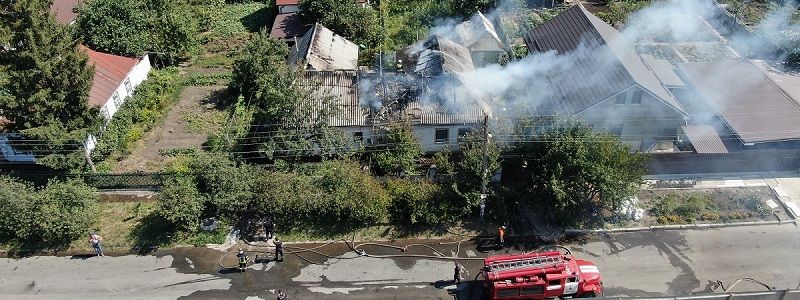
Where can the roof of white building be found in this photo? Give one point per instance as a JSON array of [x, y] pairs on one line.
[[110, 72], [323, 50]]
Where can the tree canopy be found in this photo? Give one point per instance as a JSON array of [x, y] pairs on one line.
[[573, 170], [46, 89], [130, 27], [348, 19], [397, 151]]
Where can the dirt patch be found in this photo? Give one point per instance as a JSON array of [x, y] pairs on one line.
[[713, 205], [175, 132]]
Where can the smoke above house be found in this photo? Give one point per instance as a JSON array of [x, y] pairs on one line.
[[527, 85]]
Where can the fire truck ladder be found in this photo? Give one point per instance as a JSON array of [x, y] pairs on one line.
[[537, 262]]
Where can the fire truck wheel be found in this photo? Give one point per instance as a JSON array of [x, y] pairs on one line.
[[589, 294]]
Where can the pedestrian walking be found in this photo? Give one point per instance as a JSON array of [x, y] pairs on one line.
[[278, 249], [459, 272], [501, 234], [242, 260], [282, 295], [95, 239]]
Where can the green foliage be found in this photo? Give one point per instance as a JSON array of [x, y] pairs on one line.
[[334, 192], [52, 217], [470, 168], [45, 88], [139, 113], [180, 203], [130, 27], [466, 8], [397, 152], [674, 209], [619, 10], [572, 169], [442, 161], [415, 202]]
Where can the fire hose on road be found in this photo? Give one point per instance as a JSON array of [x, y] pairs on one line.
[[356, 248]]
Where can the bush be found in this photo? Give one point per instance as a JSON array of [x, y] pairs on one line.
[[411, 201], [180, 203], [139, 113], [61, 212], [674, 209]]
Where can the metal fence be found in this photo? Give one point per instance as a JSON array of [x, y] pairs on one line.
[[105, 182]]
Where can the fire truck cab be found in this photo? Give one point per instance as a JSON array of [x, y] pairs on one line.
[[540, 275]]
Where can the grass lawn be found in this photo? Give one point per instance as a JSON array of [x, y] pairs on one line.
[[232, 28]]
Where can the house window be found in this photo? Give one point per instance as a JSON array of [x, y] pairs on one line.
[[358, 137], [637, 97], [463, 131], [441, 135], [617, 130], [128, 86], [621, 99], [117, 100]]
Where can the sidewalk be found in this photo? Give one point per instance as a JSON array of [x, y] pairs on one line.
[[786, 185]]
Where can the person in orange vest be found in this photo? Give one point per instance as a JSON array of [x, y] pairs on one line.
[[501, 233]]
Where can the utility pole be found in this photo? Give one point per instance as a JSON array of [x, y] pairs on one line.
[[485, 163]]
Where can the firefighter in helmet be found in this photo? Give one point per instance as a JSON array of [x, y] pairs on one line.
[[242, 260]]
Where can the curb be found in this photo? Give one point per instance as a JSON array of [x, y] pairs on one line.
[[678, 227]]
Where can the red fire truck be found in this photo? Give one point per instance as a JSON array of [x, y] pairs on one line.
[[540, 275]]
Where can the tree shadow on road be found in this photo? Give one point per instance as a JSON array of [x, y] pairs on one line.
[[150, 233]]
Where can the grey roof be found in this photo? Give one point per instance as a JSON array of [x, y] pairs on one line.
[[476, 29], [785, 78], [335, 92], [704, 139], [438, 55], [663, 71], [288, 27], [422, 113], [751, 104], [607, 55], [323, 50]]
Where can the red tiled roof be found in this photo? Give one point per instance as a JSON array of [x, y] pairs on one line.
[[63, 10], [109, 73]]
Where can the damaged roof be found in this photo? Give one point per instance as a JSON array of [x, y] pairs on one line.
[[476, 29], [421, 113], [335, 92], [322, 50], [749, 102], [663, 71], [606, 55], [438, 55]]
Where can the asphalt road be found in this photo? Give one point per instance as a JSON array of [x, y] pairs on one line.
[[632, 264]]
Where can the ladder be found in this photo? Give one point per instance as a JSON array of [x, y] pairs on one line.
[[535, 262]]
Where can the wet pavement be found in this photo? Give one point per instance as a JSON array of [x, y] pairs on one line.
[[632, 264]]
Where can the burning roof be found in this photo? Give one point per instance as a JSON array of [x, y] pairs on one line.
[[323, 50], [477, 29], [335, 92], [438, 55]]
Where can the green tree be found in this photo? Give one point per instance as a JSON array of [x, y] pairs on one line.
[[397, 151], [470, 168], [571, 169], [180, 203], [52, 217], [130, 27], [466, 8], [287, 122], [45, 92]]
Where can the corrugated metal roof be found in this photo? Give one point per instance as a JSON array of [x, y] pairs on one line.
[[421, 113], [663, 70], [611, 58], [323, 50], [64, 10], [438, 55], [335, 92], [109, 73], [704, 139], [752, 105], [787, 80], [288, 26], [477, 28]]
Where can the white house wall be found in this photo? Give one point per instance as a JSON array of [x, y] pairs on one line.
[[137, 75], [652, 119], [426, 134]]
